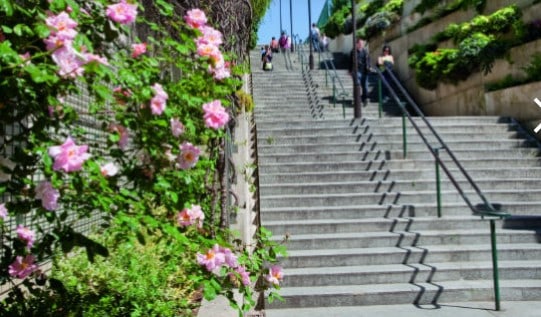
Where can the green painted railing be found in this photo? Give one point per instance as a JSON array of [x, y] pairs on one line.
[[486, 209]]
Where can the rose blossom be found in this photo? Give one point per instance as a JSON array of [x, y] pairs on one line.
[[27, 235], [215, 115], [189, 216], [109, 169], [69, 156], [245, 276], [177, 128], [22, 267], [189, 155], [69, 60], [157, 103], [3, 211], [212, 259], [210, 36], [122, 12], [275, 275], [138, 49], [48, 195], [123, 134], [62, 26], [229, 257], [195, 18]]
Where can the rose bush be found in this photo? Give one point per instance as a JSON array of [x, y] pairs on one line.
[[161, 105]]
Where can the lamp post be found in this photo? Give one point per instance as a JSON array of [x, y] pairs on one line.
[[291, 27], [356, 80], [280, 18], [311, 57]]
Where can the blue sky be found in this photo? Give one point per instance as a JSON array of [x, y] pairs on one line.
[[270, 25]]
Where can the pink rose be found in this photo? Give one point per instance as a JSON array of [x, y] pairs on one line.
[[138, 49], [22, 267], [189, 155], [122, 12], [69, 156], [195, 18], [215, 115]]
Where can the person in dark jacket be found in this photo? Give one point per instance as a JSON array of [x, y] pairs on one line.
[[363, 65]]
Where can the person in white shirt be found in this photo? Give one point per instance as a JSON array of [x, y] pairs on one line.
[[324, 42], [315, 34]]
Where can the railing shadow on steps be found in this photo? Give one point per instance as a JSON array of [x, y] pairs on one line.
[[330, 72], [316, 108], [485, 209]]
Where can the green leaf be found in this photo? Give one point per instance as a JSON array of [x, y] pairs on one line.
[[18, 29], [164, 7], [41, 30], [57, 5], [208, 291], [6, 29], [7, 7], [173, 196], [40, 75]]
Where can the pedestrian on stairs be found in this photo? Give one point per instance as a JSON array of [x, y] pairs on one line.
[[266, 58], [363, 65], [283, 42]]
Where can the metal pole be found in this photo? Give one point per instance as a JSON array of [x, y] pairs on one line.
[[356, 83], [495, 273], [291, 26], [333, 92], [281, 29], [311, 57], [438, 183], [404, 136], [380, 97]]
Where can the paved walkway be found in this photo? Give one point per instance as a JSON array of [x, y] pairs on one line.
[[220, 308], [470, 309]]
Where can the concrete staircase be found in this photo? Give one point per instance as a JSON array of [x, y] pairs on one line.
[[361, 220]]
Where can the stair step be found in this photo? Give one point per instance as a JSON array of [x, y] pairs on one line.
[[409, 255], [413, 224], [402, 293], [312, 200], [373, 211], [403, 238], [412, 272]]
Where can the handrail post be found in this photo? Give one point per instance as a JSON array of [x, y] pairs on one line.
[[380, 96], [495, 273], [438, 182], [404, 137], [333, 92], [326, 76]]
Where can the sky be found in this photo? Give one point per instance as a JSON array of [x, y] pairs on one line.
[[270, 26]]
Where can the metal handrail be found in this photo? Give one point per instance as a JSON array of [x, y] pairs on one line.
[[486, 210], [329, 59], [490, 210]]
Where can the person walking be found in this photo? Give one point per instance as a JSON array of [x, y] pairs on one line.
[[274, 46], [324, 42], [283, 42], [363, 65], [315, 34]]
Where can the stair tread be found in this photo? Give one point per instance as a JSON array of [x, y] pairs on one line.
[[399, 267], [394, 234], [410, 249], [403, 287]]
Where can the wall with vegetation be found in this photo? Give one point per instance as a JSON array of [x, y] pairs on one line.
[[453, 70]]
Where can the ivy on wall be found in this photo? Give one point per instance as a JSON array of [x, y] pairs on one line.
[[479, 43]]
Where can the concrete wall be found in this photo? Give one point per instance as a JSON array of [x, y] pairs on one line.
[[466, 97]]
